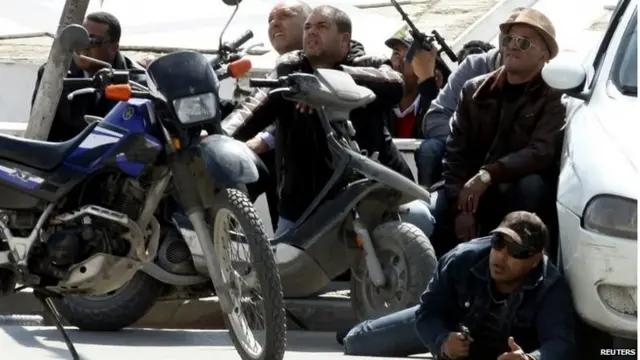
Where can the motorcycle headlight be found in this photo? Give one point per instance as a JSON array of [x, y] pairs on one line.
[[613, 216], [196, 108]]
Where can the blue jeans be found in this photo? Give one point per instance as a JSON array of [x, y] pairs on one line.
[[428, 158], [415, 212], [283, 226], [393, 335]]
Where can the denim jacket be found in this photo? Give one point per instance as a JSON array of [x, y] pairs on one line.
[[539, 317]]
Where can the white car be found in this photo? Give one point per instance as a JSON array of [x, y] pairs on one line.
[[599, 181]]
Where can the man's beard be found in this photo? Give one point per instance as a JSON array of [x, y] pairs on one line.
[[321, 59]]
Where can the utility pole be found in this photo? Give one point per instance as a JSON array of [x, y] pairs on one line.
[[50, 89]]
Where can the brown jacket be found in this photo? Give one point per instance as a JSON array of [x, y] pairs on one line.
[[528, 143]]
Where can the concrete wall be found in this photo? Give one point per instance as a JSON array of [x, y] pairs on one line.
[[18, 81]]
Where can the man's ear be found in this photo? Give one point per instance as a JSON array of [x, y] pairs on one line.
[[345, 40], [536, 260], [114, 47]]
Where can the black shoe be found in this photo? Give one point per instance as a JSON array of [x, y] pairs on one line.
[[340, 335]]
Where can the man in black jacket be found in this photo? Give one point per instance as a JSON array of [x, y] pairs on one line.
[[301, 148], [286, 23], [104, 31], [497, 297]]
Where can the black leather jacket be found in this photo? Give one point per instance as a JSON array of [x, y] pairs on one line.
[[69, 119], [301, 149]]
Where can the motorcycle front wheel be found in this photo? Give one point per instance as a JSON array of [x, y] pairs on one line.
[[254, 278]]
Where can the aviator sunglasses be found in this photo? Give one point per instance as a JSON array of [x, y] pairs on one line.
[[96, 41], [514, 250], [522, 43]]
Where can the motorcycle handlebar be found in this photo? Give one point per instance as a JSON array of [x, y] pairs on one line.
[[75, 83], [265, 83], [83, 91], [235, 44]]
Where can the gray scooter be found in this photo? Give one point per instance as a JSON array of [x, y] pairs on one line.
[[391, 261]]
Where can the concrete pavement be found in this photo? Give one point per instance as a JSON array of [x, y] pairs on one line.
[[46, 343]]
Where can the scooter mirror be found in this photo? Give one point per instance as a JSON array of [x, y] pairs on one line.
[[232, 2], [74, 38]]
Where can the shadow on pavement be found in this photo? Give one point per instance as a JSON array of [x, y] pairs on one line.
[[31, 337]]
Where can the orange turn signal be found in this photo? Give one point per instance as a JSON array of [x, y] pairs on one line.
[[121, 92], [239, 67]]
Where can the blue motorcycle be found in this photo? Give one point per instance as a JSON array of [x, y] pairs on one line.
[[80, 217]]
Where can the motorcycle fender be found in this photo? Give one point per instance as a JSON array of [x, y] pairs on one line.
[[228, 161]]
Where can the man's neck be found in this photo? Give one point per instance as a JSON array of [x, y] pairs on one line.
[[521, 78], [507, 287], [322, 63]]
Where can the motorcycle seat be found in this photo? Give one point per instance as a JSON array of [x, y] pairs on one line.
[[41, 155]]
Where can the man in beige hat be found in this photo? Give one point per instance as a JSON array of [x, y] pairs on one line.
[[505, 134]]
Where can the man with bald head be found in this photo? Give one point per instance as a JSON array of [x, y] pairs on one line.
[[285, 26]]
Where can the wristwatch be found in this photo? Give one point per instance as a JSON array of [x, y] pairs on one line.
[[485, 177]]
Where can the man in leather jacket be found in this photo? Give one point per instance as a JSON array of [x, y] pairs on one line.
[[286, 23], [301, 148], [104, 31]]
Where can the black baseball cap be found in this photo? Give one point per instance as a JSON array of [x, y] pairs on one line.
[[524, 228]]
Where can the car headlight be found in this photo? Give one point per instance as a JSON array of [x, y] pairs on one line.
[[613, 216], [196, 108]]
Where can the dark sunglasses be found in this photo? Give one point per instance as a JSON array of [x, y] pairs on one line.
[[522, 43], [514, 250], [96, 41]]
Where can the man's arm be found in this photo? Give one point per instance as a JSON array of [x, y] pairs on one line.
[[555, 324], [455, 172], [251, 116], [542, 148], [435, 312], [428, 91], [436, 121], [386, 83], [269, 136]]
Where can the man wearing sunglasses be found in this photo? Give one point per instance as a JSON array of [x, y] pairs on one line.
[[496, 297], [506, 134], [104, 31]]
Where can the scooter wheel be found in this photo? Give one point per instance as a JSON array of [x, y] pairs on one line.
[[408, 262]]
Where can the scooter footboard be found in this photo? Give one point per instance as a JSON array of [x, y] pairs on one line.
[[300, 274]]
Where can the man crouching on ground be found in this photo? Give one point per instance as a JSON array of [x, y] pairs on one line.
[[496, 297]]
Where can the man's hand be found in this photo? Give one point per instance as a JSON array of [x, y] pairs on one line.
[[456, 345], [465, 226], [424, 63], [470, 195], [516, 352], [304, 108], [147, 60], [258, 145]]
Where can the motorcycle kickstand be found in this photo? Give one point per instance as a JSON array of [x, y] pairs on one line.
[[50, 309]]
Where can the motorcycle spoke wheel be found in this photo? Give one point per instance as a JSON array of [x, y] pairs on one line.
[[257, 324]]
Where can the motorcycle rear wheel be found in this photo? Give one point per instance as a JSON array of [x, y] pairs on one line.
[[232, 207]]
